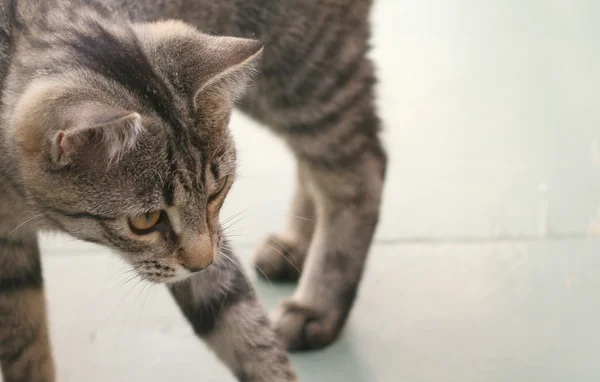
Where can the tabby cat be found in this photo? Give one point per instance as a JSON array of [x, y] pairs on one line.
[[115, 131]]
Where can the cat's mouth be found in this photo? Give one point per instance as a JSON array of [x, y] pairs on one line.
[[159, 273]]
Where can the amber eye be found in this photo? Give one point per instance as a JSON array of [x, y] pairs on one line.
[[144, 222]]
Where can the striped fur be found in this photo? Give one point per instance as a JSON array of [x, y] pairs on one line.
[[24, 342], [75, 77], [117, 119]]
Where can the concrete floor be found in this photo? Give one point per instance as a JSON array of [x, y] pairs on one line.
[[486, 262]]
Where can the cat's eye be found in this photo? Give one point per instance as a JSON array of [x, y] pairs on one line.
[[218, 189], [143, 223]]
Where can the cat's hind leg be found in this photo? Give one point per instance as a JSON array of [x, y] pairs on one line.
[[334, 135], [280, 257], [316, 91], [345, 166]]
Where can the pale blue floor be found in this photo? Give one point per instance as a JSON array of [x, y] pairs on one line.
[[503, 311], [476, 274]]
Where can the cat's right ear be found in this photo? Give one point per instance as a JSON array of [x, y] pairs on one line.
[[50, 120], [209, 68], [225, 64]]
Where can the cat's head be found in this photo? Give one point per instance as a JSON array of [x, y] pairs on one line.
[[128, 145]]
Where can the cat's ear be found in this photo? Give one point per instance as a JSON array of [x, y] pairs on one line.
[[100, 132], [226, 65], [49, 119], [203, 65]]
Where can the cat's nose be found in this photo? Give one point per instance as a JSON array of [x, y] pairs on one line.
[[194, 269], [197, 254], [195, 262]]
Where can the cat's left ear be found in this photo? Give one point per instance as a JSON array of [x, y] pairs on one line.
[[214, 69]]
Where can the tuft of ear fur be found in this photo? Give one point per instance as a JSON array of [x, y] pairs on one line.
[[216, 67], [232, 63], [109, 133], [50, 118]]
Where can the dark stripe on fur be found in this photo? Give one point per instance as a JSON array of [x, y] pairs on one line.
[[344, 154], [6, 40], [84, 215], [344, 78], [168, 190], [80, 215], [13, 345], [14, 354], [124, 60], [199, 144], [320, 66], [345, 162], [324, 123], [214, 169], [204, 313], [314, 76], [75, 215], [25, 278], [15, 19], [11, 352], [53, 221], [243, 377], [294, 64], [11, 242]]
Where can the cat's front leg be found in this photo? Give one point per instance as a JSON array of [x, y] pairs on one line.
[[222, 307], [25, 354]]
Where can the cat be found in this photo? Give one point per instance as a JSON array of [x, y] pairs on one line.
[[115, 130]]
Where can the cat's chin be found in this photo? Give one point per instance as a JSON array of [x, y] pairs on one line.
[[179, 276]]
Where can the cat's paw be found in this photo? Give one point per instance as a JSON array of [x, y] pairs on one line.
[[279, 260], [301, 327]]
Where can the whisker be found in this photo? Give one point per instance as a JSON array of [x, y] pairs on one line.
[[272, 238], [284, 256], [234, 216], [143, 278], [124, 296], [25, 222], [238, 266], [125, 272], [264, 274], [226, 245], [301, 218], [131, 278], [234, 223], [146, 289], [235, 229]]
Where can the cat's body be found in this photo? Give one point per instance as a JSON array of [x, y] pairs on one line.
[[116, 132]]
